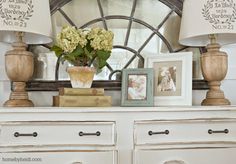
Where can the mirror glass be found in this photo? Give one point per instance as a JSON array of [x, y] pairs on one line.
[[140, 27]]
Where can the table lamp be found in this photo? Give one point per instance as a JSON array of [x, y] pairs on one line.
[[210, 23], [21, 22]]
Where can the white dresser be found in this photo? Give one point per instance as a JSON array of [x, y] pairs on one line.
[[118, 135]]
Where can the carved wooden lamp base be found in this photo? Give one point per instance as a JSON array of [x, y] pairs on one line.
[[214, 64], [18, 103], [19, 68], [19, 97], [212, 102], [215, 96]]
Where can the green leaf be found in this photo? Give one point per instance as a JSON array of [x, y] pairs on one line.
[[69, 57], [103, 54], [88, 46], [101, 63], [58, 51], [77, 52], [87, 53], [102, 57]]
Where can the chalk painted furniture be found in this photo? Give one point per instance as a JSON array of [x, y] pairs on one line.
[[118, 135]]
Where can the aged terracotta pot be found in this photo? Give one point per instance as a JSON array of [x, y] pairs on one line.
[[81, 77]]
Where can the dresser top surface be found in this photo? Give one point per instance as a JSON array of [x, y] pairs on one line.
[[115, 109]]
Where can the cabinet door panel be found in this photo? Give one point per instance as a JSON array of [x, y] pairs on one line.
[[186, 156], [83, 157]]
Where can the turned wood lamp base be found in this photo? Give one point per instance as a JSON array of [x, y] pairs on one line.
[[19, 68], [18, 103], [18, 97], [214, 98], [215, 102], [214, 64]]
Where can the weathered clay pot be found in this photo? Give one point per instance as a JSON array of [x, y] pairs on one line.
[[81, 77]]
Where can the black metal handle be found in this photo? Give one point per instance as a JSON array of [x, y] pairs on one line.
[[210, 131], [89, 134], [17, 134], [164, 132]]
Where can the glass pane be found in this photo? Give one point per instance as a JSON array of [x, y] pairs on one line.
[[170, 30], [151, 11], [119, 58], [82, 11], [117, 7], [119, 28], [138, 35], [153, 46], [104, 75], [136, 63]]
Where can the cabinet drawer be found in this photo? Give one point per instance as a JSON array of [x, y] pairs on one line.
[[186, 156], [184, 131], [58, 133], [96, 157]]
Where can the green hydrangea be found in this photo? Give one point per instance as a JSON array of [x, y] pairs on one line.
[[69, 38], [101, 39], [84, 47]]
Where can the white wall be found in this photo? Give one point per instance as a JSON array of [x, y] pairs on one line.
[[45, 98]]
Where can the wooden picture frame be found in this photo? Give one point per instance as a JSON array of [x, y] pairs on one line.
[[172, 78], [137, 87]]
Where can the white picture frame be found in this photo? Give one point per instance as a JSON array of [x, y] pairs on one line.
[[172, 78]]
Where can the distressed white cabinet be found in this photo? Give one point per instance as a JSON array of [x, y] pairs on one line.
[[185, 141], [118, 135], [186, 156]]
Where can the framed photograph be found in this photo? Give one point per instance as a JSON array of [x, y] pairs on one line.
[[137, 87], [172, 78]]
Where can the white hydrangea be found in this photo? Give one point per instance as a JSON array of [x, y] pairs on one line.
[[70, 37], [101, 39]]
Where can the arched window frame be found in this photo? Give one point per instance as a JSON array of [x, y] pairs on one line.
[[56, 5]]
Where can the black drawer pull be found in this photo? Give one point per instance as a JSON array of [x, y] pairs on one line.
[[210, 131], [17, 134], [164, 132], [89, 134]]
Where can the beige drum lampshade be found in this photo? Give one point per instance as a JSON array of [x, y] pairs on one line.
[[29, 16], [203, 17]]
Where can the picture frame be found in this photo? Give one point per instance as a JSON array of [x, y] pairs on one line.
[[137, 87], [172, 78]]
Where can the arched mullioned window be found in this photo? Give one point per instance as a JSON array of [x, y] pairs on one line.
[[140, 26]]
